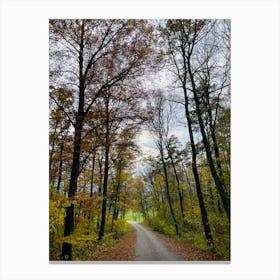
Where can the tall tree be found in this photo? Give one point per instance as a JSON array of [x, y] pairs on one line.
[[177, 44], [201, 71], [171, 148], [90, 57], [124, 153], [158, 127], [122, 112], [59, 133]]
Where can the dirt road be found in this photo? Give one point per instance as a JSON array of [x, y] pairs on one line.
[[150, 248]]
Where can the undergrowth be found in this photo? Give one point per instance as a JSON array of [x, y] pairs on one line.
[[192, 233], [85, 244]]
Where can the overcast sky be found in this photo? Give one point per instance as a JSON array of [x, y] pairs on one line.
[[146, 142]]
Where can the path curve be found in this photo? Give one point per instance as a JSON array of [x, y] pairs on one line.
[[150, 248]]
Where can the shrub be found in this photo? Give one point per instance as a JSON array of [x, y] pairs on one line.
[[120, 228], [161, 225]]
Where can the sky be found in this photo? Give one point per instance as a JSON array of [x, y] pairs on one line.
[[162, 81], [145, 141]]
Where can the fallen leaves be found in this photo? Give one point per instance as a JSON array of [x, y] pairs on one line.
[[123, 250]]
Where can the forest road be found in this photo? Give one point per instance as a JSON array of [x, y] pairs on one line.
[[150, 248]]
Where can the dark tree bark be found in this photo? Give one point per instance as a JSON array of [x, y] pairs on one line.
[[204, 216], [60, 167], [52, 151], [100, 162], [106, 173], [169, 200], [219, 206], [213, 132], [104, 194], [181, 199], [91, 186], [115, 209], [92, 174], [183, 79], [211, 197], [69, 219], [217, 179]]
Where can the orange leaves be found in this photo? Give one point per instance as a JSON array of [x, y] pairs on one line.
[[80, 219], [85, 199]]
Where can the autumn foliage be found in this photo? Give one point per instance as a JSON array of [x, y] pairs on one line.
[[105, 90]]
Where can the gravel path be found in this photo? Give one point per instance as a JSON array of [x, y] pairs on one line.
[[150, 248]]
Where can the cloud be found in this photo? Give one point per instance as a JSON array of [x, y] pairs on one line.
[[146, 142]]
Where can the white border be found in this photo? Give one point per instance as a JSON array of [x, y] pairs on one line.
[[24, 138]]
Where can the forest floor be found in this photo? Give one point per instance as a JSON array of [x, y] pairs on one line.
[[141, 243], [122, 250]]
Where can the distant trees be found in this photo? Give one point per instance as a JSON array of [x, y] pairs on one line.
[[159, 126]]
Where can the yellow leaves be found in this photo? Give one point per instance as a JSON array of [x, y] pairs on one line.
[[60, 201], [159, 181], [56, 216], [124, 177], [122, 204], [57, 207], [98, 198], [121, 227], [138, 183], [78, 238], [86, 198], [184, 186], [95, 211]]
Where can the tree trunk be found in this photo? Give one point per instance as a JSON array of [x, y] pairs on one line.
[[60, 167], [92, 174], [69, 219], [168, 192], [91, 188], [115, 212], [106, 174], [218, 181], [204, 216], [203, 211], [68, 229], [211, 197], [219, 206], [100, 160], [52, 152], [178, 187], [104, 194], [213, 134]]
